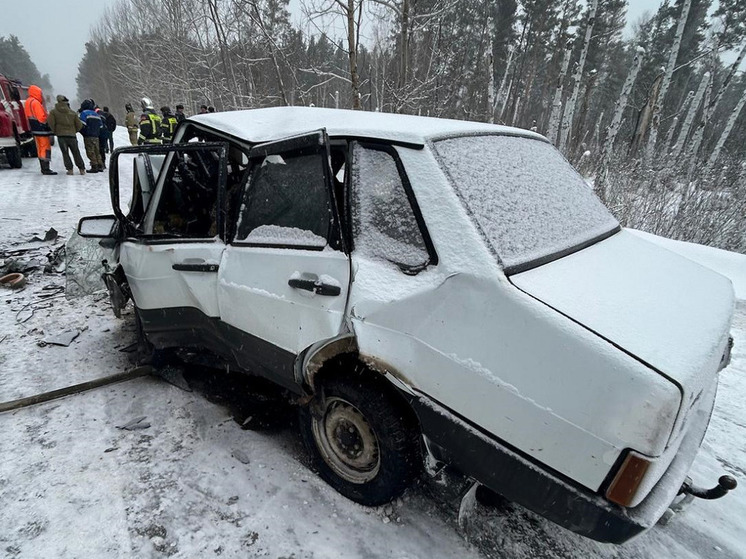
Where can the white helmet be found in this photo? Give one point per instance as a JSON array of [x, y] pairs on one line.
[[147, 104]]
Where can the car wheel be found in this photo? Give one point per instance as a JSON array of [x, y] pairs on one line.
[[13, 155], [361, 440]]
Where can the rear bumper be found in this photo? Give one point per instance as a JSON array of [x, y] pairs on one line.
[[512, 475]]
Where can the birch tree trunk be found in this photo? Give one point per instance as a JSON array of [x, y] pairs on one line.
[[711, 107], [554, 119], [726, 82], [404, 54], [616, 122], [726, 132], [658, 107], [675, 121], [491, 90], [704, 85], [570, 108], [699, 133], [502, 97], [353, 36]]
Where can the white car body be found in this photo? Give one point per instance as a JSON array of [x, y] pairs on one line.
[[539, 383]]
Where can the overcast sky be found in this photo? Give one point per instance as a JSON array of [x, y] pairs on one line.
[[56, 35]]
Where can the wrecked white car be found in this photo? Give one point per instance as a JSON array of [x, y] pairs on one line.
[[435, 289]]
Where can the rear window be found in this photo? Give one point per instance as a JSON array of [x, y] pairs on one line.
[[528, 201]]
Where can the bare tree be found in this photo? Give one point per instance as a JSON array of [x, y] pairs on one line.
[[673, 55], [704, 84], [725, 133], [616, 121], [554, 119], [569, 116]]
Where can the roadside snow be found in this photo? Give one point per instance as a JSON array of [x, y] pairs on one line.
[[195, 484]]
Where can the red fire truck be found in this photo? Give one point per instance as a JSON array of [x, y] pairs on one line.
[[16, 140]]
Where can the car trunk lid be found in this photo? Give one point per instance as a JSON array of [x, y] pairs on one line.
[[664, 309]]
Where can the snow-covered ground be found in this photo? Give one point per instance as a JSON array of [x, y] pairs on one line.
[[195, 484]]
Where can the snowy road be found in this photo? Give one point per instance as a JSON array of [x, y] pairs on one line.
[[195, 484]]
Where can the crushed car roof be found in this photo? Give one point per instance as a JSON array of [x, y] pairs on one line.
[[264, 125]]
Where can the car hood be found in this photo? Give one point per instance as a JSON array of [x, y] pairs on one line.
[[664, 309]]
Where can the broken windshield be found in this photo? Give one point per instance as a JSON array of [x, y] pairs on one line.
[[527, 200]]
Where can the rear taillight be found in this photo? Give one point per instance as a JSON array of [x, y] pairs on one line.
[[626, 482]]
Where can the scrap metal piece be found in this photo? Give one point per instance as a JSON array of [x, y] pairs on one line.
[[63, 339], [135, 424]]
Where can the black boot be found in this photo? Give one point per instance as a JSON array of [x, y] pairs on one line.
[[45, 170]]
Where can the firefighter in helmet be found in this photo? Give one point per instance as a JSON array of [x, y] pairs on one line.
[[150, 124], [168, 125]]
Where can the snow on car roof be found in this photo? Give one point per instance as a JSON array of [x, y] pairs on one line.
[[263, 125]]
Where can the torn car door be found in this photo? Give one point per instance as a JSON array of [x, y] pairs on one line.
[[171, 257]]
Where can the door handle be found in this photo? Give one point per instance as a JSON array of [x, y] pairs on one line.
[[315, 286], [195, 265]]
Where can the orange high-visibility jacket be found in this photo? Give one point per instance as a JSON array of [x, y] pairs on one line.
[[36, 113]]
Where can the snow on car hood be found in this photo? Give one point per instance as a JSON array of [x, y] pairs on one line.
[[664, 309]]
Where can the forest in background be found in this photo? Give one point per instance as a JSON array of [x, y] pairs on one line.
[[656, 119], [16, 63]]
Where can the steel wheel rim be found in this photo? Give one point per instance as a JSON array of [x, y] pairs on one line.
[[346, 441]]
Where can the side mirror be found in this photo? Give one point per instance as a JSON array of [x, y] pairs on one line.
[[98, 226]]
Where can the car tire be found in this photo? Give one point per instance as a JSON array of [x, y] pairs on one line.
[[362, 441], [13, 155]]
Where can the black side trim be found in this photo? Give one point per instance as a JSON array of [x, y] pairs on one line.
[[546, 259], [168, 239], [517, 479], [190, 327], [278, 245], [370, 139]]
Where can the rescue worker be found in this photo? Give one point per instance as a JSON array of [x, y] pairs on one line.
[[43, 136], [111, 125], [168, 125], [130, 121], [65, 124], [150, 124], [91, 132], [103, 137], [179, 114]]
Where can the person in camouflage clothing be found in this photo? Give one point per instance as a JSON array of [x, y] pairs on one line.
[[132, 123], [65, 124]]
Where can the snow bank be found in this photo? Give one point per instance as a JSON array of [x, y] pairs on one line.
[[730, 264]]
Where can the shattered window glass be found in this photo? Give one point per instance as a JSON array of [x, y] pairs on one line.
[[83, 267], [287, 202], [384, 225]]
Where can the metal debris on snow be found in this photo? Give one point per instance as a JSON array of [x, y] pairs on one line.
[[241, 456], [63, 339], [135, 424]]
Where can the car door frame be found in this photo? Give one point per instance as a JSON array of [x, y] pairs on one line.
[[272, 360], [190, 322]]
